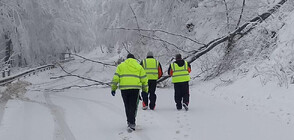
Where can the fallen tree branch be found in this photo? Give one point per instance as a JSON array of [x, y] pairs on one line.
[[239, 31], [259, 19], [84, 78], [242, 31], [74, 86], [208, 47]]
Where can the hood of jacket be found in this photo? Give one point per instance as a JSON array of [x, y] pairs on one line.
[[180, 62], [132, 65]]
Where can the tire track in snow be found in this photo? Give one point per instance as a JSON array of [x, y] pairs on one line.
[[57, 112], [2, 109], [124, 135], [62, 130], [107, 105]]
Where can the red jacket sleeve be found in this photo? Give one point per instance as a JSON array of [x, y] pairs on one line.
[[189, 69], [159, 71], [170, 71]]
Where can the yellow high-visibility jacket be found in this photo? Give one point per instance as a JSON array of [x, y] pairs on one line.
[[150, 66], [180, 74], [130, 75]]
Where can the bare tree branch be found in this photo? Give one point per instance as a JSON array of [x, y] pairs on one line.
[[159, 39], [125, 45], [91, 60], [241, 14], [227, 13], [135, 18], [58, 77], [202, 71]]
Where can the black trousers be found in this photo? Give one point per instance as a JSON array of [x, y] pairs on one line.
[[152, 96], [181, 94], [131, 100]]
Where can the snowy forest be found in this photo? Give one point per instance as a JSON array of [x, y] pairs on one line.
[[38, 32], [232, 45]]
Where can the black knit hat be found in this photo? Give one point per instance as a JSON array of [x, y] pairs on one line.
[[130, 56], [178, 56]]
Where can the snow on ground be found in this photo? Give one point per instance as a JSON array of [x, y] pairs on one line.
[[239, 111], [249, 93]]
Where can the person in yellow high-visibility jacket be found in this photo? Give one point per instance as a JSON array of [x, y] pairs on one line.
[[131, 77], [179, 71], [154, 72]]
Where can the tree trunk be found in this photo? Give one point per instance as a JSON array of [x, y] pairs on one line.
[[8, 50]]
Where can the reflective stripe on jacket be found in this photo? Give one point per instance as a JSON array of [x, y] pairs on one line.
[[180, 74], [130, 75], [151, 68]]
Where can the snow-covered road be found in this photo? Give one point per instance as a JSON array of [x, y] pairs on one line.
[[93, 114]]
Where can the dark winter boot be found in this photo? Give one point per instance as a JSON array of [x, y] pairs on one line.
[[179, 106], [132, 126], [185, 106], [152, 107]]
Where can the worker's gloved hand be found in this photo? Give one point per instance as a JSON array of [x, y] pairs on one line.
[[113, 93]]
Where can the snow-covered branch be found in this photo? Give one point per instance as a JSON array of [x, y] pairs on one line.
[[227, 13], [135, 19], [161, 31], [81, 77], [159, 39]]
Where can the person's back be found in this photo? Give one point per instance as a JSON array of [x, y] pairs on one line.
[[150, 65], [179, 71], [130, 72], [154, 72], [131, 77]]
